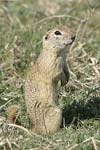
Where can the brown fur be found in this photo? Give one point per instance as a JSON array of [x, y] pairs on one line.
[[12, 113], [42, 80]]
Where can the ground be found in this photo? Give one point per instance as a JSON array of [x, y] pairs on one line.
[[22, 25]]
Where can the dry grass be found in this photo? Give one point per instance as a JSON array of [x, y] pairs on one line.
[[22, 25]]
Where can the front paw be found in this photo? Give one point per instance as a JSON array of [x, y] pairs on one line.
[[65, 77], [64, 80]]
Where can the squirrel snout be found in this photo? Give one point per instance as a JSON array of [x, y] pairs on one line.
[[73, 38]]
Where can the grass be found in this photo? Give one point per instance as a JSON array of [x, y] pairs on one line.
[[22, 25]]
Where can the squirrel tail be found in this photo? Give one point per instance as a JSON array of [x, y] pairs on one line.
[[12, 113]]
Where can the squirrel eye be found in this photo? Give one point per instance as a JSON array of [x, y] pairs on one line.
[[57, 33]]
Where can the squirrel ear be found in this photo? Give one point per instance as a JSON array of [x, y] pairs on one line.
[[46, 37]]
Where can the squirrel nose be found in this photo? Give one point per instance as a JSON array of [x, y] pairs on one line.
[[73, 38]]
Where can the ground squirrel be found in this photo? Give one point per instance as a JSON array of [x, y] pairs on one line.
[[42, 80]]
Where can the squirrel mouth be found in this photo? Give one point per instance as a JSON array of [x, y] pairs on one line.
[[73, 39]]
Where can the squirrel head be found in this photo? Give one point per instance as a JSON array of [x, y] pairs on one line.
[[58, 38]]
